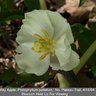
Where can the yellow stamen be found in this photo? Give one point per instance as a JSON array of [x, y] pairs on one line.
[[44, 45], [43, 56], [45, 33], [37, 36]]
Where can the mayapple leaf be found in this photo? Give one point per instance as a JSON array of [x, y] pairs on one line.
[[7, 5], [78, 29], [82, 2], [8, 75], [94, 70], [85, 36], [31, 78], [32, 4], [4, 16], [92, 26]]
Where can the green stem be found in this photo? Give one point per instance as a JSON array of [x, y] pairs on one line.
[[63, 82], [85, 57], [43, 4]]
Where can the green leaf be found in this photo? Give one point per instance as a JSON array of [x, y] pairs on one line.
[[94, 70], [8, 12], [31, 78], [86, 56], [82, 2], [85, 38], [73, 46], [7, 5], [12, 85], [78, 29], [5, 35], [92, 26], [8, 75], [32, 4], [4, 16]]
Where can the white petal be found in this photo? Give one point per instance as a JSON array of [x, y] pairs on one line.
[[63, 55], [69, 34], [23, 36], [42, 19], [28, 60], [62, 42], [61, 26], [63, 50], [54, 63], [74, 61], [26, 32], [35, 22]]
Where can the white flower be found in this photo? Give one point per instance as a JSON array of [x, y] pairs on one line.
[[44, 40]]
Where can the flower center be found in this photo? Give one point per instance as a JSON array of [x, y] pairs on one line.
[[44, 44]]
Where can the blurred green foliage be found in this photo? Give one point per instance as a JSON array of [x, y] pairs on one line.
[[86, 36], [8, 11], [4, 35], [82, 2], [12, 79], [7, 5], [32, 4]]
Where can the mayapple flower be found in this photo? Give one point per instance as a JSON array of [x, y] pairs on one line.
[[44, 40]]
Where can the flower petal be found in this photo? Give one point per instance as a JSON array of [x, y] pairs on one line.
[[24, 35], [63, 50], [28, 60], [63, 55], [74, 61], [54, 63], [42, 19], [69, 34], [35, 22], [61, 26]]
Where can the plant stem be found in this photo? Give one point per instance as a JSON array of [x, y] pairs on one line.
[[85, 57], [68, 79], [43, 4], [63, 82]]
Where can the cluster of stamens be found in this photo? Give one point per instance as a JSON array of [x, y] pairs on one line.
[[44, 44]]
